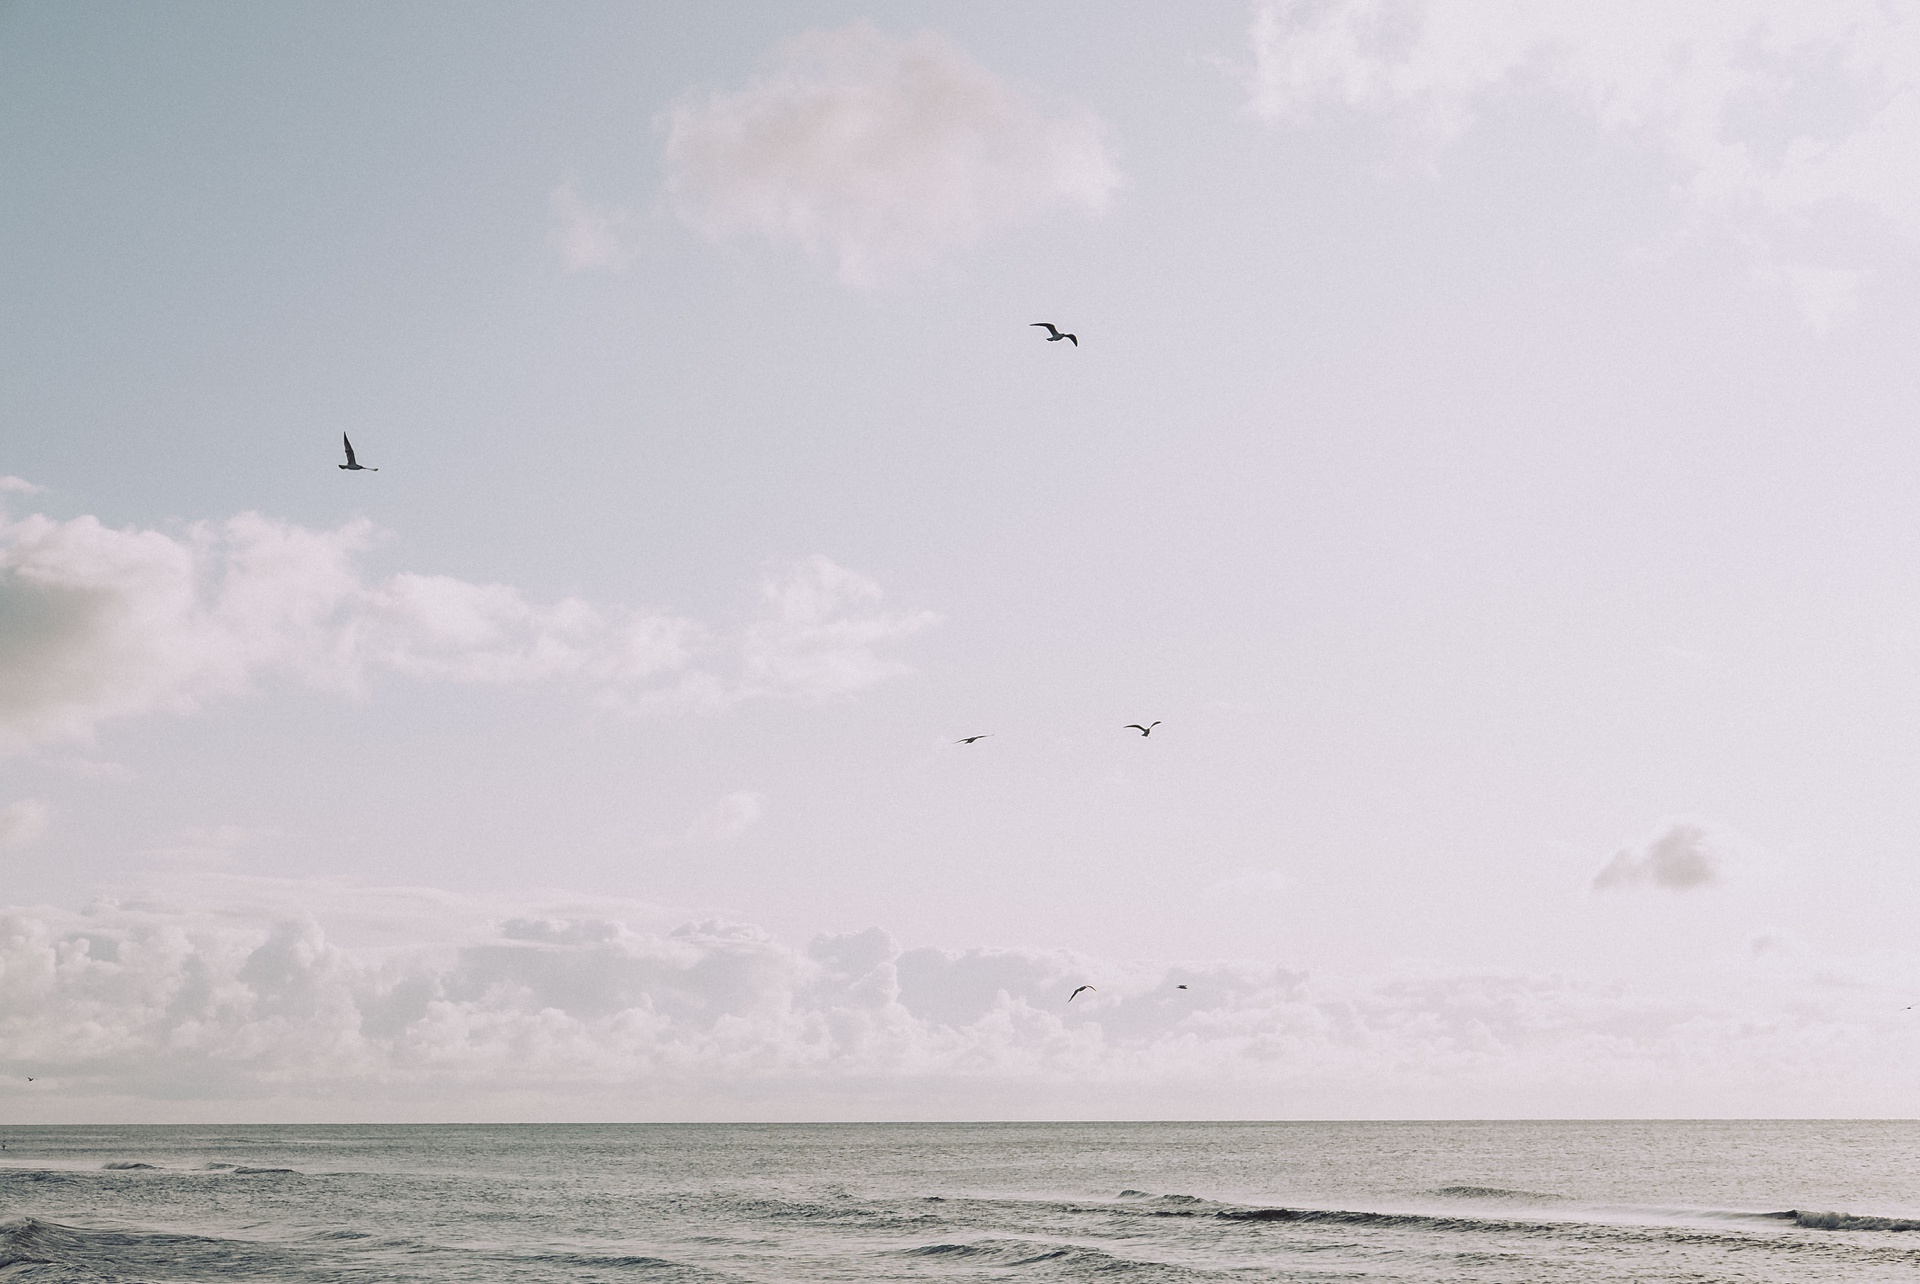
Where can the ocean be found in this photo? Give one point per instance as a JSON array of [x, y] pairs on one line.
[[1797, 1202]]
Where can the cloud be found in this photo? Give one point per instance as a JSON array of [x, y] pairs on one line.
[[587, 235], [1781, 119], [98, 623], [1681, 857], [1250, 882], [880, 153], [728, 818], [11, 485], [219, 988], [22, 822]]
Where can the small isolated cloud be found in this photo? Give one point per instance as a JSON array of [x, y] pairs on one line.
[[1783, 120], [97, 624], [204, 847], [1681, 857], [1250, 882], [587, 235], [882, 154], [1774, 943], [11, 485], [731, 816], [22, 822]]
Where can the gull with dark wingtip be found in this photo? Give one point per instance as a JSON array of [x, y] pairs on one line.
[[352, 464], [1055, 333], [967, 740], [1076, 993], [1145, 731]]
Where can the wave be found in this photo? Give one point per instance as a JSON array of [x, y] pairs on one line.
[[124, 1165], [1846, 1221], [1429, 1221], [1492, 1192], [1073, 1259], [1354, 1217], [642, 1266]]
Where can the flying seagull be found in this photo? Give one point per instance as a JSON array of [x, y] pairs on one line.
[[1179, 987], [1076, 993], [970, 739], [1055, 333], [353, 464], [1145, 731]]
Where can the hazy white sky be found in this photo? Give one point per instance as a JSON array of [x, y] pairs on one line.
[[1489, 453]]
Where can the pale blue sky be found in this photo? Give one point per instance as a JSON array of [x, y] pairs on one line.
[[1474, 483]]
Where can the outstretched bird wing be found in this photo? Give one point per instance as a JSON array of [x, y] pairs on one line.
[[1049, 327], [1076, 993], [1134, 726], [349, 445], [1075, 338]]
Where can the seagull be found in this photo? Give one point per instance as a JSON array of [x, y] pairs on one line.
[[970, 739], [1076, 993], [355, 465], [1055, 334], [1179, 987], [1145, 731]]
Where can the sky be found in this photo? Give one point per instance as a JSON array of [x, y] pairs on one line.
[[1487, 454]]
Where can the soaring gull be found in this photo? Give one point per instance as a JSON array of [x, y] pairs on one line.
[[352, 464], [1055, 333], [1145, 731]]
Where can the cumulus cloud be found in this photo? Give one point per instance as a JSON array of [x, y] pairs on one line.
[[10, 485], [880, 153], [587, 235], [22, 822], [1681, 857], [246, 989], [1777, 115], [98, 623]]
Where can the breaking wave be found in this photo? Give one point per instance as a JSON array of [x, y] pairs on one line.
[[1846, 1221]]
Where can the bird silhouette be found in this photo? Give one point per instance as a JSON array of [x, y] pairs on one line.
[[1076, 993], [1055, 334], [970, 739], [353, 464], [1179, 987], [1145, 731]]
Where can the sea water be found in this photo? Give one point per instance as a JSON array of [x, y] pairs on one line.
[[1797, 1202]]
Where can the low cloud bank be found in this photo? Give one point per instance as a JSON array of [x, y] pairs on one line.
[[255, 991], [97, 623]]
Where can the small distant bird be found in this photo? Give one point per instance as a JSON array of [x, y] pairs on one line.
[[1076, 993], [1145, 731], [1179, 987], [1055, 334], [354, 464], [29, 1078], [970, 739]]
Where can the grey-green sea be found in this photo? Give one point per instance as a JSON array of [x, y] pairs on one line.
[[1798, 1202]]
